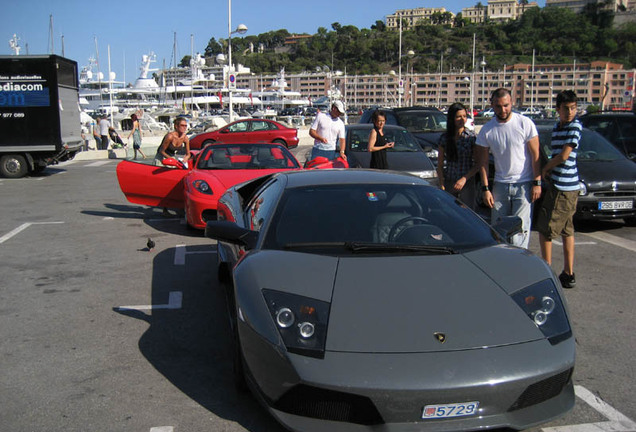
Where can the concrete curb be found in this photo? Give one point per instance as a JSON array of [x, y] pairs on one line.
[[150, 145]]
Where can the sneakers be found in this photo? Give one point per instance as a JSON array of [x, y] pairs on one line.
[[567, 281]]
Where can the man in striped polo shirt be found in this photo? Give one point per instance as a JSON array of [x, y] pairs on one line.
[[561, 174]]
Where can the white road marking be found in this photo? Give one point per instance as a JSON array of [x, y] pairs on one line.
[[617, 421], [615, 240], [162, 429], [180, 253], [98, 163], [21, 228], [175, 300], [556, 242]]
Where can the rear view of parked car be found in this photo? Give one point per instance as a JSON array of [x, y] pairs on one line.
[[406, 155]]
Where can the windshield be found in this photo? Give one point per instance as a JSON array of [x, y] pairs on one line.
[[593, 147], [422, 121], [404, 141], [245, 156], [361, 218]]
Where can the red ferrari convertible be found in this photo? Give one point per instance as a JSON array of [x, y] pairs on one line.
[[197, 187]]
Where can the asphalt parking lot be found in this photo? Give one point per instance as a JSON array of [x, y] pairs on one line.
[[99, 333]]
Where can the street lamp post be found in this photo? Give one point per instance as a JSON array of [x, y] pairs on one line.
[[241, 29], [483, 83]]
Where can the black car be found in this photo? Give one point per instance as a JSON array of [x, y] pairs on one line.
[[406, 155], [607, 177], [618, 127], [426, 123]]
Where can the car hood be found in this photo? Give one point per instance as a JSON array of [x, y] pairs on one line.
[[398, 161], [600, 175], [225, 179], [385, 304]]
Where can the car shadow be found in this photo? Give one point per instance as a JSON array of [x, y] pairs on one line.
[[589, 226], [151, 216], [190, 345]]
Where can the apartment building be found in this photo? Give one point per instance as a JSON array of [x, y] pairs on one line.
[[497, 10], [412, 17], [601, 83], [579, 5]]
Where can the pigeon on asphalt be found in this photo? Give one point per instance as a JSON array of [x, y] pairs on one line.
[[150, 244]]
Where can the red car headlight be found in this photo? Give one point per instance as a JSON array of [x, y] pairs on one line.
[[202, 186]]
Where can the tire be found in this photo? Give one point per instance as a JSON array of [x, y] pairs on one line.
[[280, 141], [13, 166], [206, 142], [630, 221]]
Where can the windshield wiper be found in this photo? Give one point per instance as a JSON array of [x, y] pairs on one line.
[[394, 247], [306, 245], [374, 247]]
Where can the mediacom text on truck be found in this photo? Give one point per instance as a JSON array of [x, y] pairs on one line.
[[39, 113]]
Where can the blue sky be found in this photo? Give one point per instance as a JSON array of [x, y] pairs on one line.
[[134, 28]]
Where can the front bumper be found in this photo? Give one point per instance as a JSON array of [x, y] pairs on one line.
[[517, 386], [588, 207], [200, 209]]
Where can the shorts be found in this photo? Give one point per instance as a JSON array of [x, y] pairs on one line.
[[556, 213]]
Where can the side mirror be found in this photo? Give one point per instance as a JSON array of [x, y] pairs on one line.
[[508, 227], [230, 232], [172, 163]]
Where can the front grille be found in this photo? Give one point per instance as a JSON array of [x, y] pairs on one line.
[[307, 401], [614, 194], [542, 390]]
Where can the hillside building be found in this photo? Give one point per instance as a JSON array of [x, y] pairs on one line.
[[413, 17]]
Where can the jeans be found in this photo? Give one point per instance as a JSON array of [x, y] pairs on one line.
[[329, 154], [514, 199]]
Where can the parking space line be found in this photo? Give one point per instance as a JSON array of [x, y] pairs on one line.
[[617, 421], [175, 301], [21, 228], [615, 240], [98, 163], [180, 253]]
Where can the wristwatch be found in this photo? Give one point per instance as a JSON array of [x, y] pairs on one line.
[[536, 182], [484, 188]]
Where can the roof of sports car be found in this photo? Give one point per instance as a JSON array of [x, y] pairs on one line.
[[348, 176]]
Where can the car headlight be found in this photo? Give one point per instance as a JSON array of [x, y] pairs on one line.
[[543, 305], [202, 186], [426, 174], [432, 154], [300, 321], [583, 190]]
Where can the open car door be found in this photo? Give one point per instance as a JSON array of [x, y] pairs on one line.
[[157, 186]]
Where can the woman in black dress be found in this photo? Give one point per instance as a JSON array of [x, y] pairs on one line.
[[377, 141]]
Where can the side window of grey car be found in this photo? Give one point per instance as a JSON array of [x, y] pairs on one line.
[[260, 208]]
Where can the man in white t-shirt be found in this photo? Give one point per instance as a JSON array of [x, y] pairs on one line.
[[328, 132], [514, 143], [104, 127]]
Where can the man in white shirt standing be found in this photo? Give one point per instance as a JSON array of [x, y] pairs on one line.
[[514, 143], [328, 132], [104, 127]]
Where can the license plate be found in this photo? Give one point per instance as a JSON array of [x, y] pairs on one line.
[[450, 410], [615, 205]]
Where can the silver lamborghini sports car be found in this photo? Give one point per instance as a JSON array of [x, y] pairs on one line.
[[366, 300]]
